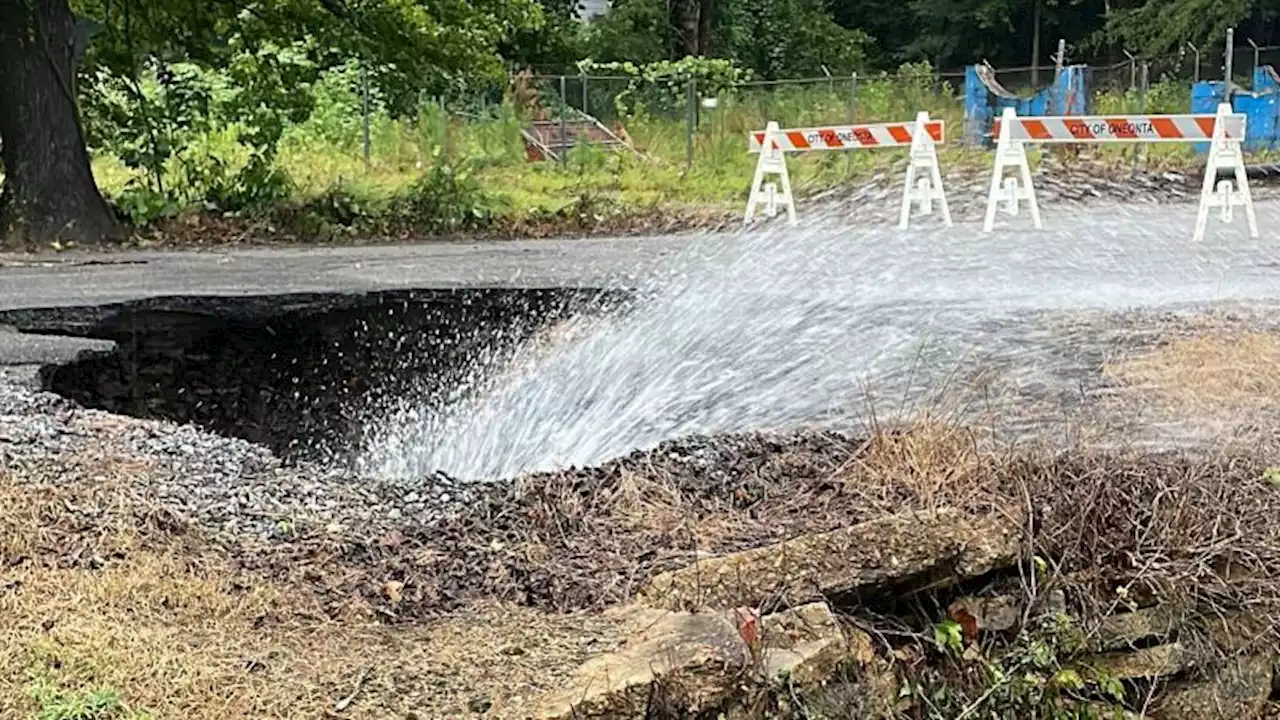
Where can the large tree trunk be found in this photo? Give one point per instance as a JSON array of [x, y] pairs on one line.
[[49, 191], [683, 15], [706, 13]]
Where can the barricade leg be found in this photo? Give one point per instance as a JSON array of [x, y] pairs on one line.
[[1224, 153], [908, 193], [1010, 153], [924, 156], [1028, 191], [1246, 196], [941, 197], [772, 161]]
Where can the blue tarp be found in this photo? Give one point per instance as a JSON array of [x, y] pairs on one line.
[[985, 99], [1261, 107]]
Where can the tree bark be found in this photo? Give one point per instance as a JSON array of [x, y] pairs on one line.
[[49, 191], [706, 13], [684, 20]]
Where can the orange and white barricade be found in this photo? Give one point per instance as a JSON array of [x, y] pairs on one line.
[[923, 183], [1224, 132]]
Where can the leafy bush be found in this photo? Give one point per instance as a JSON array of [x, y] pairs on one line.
[[340, 205], [901, 94], [166, 126], [773, 39], [662, 87], [447, 199], [338, 111], [256, 186], [142, 205], [1167, 96], [790, 40]]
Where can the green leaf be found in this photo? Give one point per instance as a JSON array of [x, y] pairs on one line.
[[1272, 475], [1069, 679]]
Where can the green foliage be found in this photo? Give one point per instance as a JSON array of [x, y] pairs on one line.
[[164, 125], [99, 705], [553, 47], [1272, 475], [341, 205], [948, 636], [1166, 96], [147, 123], [1033, 676], [438, 46], [789, 39], [58, 704], [1158, 27], [663, 87], [447, 198], [338, 106], [889, 96], [270, 86], [141, 205], [633, 31]]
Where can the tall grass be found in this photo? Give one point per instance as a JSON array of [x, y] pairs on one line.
[[324, 155]]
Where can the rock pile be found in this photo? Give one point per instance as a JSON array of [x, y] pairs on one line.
[[727, 632]]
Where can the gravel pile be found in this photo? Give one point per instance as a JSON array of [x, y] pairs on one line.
[[227, 485]]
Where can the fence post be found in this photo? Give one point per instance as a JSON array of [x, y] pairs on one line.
[[1229, 59], [446, 140], [585, 109], [1143, 85], [364, 111], [853, 118], [564, 132], [1254, 72], [690, 121], [853, 98], [1133, 69], [1195, 73]]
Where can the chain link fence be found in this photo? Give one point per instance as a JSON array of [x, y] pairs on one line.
[[684, 121]]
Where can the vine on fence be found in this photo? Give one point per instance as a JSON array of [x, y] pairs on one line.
[[663, 86]]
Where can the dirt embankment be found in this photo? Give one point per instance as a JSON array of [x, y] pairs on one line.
[[810, 572]]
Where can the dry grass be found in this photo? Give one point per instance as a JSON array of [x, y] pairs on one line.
[[1219, 374], [177, 630]]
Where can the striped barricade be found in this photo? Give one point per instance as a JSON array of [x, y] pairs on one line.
[[922, 136], [1224, 132]]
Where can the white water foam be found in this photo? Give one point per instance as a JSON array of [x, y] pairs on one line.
[[784, 327]]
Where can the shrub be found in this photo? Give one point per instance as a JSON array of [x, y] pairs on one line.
[[447, 198]]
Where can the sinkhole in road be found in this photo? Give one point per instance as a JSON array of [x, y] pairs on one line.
[[305, 375]]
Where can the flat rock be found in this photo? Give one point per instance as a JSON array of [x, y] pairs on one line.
[[695, 662], [1128, 630], [1237, 690], [1152, 662], [997, 613], [804, 645], [945, 545], [691, 654]]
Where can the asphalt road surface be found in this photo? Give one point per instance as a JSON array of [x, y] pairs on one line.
[[85, 278], [1095, 256]]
